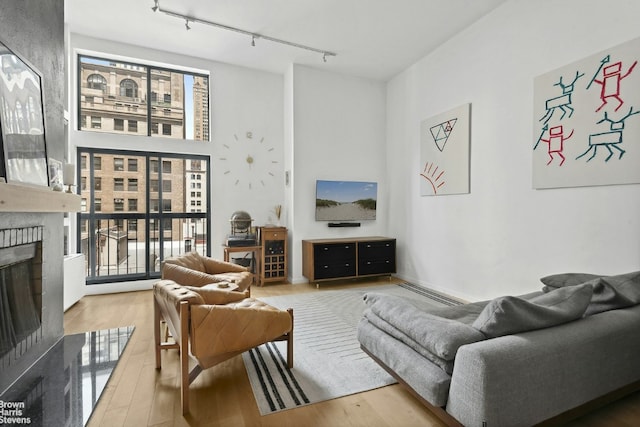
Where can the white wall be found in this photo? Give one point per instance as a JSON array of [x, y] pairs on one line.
[[503, 236], [241, 100], [338, 134]]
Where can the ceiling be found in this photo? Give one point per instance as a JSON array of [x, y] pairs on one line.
[[374, 39]]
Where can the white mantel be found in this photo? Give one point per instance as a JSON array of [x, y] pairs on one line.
[[23, 198]]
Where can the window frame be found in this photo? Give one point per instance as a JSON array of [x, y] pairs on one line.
[[163, 213], [151, 98]]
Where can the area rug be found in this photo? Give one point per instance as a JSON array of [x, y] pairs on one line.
[[328, 361]]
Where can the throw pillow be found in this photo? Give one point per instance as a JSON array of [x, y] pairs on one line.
[[605, 297], [510, 315], [627, 284], [567, 279]]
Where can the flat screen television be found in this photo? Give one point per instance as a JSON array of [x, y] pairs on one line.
[[346, 200]]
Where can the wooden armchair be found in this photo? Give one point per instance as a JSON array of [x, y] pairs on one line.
[[212, 325]]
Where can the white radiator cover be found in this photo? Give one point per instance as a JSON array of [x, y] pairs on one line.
[[74, 279]]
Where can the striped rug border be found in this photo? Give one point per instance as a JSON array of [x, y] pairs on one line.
[[267, 383]]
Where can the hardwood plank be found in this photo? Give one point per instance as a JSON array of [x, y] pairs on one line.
[[139, 395]]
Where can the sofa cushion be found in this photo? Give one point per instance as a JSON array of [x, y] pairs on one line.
[[627, 285], [397, 334], [212, 295], [438, 335], [428, 380], [186, 276], [511, 315], [191, 260]]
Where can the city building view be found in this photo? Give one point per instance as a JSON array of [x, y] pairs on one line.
[[139, 207]]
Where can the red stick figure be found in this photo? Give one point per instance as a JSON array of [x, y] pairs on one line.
[[555, 142], [610, 83]]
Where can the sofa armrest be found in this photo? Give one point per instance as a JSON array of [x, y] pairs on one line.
[[168, 296], [526, 378]]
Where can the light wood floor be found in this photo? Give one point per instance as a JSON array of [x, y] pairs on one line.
[[139, 395]]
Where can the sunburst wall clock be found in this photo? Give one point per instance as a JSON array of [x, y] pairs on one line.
[[249, 161]]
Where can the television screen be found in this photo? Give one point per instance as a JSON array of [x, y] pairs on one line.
[[346, 200]]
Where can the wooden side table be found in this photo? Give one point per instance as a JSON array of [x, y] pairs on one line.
[[256, 253]]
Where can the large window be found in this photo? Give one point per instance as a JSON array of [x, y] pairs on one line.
[[115, 96], [140, 213]]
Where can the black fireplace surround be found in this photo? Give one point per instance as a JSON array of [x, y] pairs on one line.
[[20, 292], [31, 290]]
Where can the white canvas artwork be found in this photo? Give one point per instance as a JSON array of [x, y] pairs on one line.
[[444, 153], [587, 123]]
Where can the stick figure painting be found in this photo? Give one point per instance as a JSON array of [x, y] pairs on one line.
[[586, 122], [444, 153]]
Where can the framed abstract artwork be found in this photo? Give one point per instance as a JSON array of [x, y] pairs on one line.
[[22, 130], [444, 153], [586, 123]]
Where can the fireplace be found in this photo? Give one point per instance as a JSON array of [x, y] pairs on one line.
[[31, 276], [20, 293], [31, 288]]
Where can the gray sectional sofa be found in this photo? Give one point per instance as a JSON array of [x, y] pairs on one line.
[[545, 357]]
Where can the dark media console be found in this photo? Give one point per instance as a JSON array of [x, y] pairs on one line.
[[344, 224], [330, 259]]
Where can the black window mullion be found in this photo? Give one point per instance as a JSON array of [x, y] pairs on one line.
[[148, 101], [147, 250], [92, 242], [161, 206], [79, 93], [208, 206]]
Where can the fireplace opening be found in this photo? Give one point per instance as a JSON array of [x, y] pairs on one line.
[[20, 299]]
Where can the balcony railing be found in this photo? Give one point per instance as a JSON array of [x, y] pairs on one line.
[[128, 246]]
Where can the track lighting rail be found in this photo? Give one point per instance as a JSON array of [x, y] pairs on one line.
[[254, 36]]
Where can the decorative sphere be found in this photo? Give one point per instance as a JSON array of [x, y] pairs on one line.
[[240, 221]]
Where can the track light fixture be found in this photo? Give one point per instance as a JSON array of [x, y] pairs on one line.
[[254, 36]]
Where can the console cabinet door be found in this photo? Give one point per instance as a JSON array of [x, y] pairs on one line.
[[376, 257], [334, 260]]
